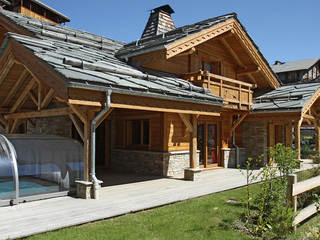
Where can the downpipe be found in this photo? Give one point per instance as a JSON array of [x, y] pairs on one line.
[[234, 144], [93, 145]]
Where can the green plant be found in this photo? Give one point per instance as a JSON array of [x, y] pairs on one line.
[[306, 151], [250, 177], [284, 158]]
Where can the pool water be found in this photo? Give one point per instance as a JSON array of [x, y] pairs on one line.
[[25, 188]]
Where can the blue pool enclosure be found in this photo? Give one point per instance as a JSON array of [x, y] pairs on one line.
[[38, 166]]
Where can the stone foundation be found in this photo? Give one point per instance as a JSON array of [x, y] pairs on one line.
[[85, 189], [192, 174], [146, 162], [230, 157]]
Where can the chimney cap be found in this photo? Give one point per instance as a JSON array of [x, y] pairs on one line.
[[165, 8]]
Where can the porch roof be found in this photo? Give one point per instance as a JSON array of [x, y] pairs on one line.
[[286, 98], [55, 43]]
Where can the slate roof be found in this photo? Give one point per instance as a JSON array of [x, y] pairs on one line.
[[56, 43], [285, 98], [159, 42], [294, 66]]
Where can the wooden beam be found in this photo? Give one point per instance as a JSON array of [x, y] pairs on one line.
[[47, 99], [80, 113], [317, 137], [31, 122], [87, 144], [23, 96], [193, 142], [247, 71], [103, 117], [5, 68], [78, 125], [14, 88], [238, 122], [15, 125], [288, 135], [186, 120], [297, 134], [4, 121], [40, 69], [232, 52], [40, 90], [38, 114], [33, 97]]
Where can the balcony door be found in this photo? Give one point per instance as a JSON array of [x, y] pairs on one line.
[[209, 144]]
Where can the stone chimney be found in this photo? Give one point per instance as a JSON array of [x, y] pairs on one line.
[[159, 22]]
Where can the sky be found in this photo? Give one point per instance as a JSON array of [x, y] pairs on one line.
[[284, 30]]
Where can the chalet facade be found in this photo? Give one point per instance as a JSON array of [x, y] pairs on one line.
[[180, 100], [297, 71]]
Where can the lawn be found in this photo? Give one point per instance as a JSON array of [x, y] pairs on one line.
[[208, 217]]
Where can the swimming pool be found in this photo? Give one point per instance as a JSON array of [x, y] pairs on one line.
[[25, 188]]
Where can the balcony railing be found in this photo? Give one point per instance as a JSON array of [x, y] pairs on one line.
[[236, 94]]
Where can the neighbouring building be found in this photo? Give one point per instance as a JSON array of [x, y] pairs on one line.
[[297, 71]]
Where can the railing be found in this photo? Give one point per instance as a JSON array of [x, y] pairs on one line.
[[295, 188], [236, 94]]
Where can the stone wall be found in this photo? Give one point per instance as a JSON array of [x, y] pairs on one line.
[[230, 157], [60, 125], [153, 163], [255, 139]]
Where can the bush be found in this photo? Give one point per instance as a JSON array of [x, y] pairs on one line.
[[274, 212], [306, 151]]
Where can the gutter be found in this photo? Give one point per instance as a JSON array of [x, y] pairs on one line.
[[211, 102], [96, 184]]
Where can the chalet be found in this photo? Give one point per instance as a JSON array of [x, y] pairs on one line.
[[297, 71], [178, 100]]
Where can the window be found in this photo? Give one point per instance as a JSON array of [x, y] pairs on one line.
[[206, 67], [293, 76], [138, 134]]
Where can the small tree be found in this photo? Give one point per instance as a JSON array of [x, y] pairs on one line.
[[250, 177]]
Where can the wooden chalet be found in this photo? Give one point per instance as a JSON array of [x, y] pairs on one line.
[[181, 100]]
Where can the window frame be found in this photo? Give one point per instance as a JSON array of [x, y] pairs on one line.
[[144, 143]]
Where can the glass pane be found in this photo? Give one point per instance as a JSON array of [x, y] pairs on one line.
[[146, 132], [47, 163], [200, 144], [136, 132], [212, 144], [7, 187]]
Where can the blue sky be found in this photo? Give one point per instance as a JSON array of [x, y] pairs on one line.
[[285, 30]]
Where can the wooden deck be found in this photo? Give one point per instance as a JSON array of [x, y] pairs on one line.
[[50, 214]]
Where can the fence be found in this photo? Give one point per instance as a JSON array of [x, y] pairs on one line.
[[294, 189]]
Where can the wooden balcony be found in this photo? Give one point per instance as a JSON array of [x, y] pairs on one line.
[[236, 94], [29, 13]]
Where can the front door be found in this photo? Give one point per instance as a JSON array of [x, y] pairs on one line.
[[209, 144]]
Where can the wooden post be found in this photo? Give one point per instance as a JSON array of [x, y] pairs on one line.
[[288, 136], [87, 144], [292, 179], [297, 126], [317, 130], [193, 142]]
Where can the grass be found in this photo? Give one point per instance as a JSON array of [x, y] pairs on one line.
[[208, 217]]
